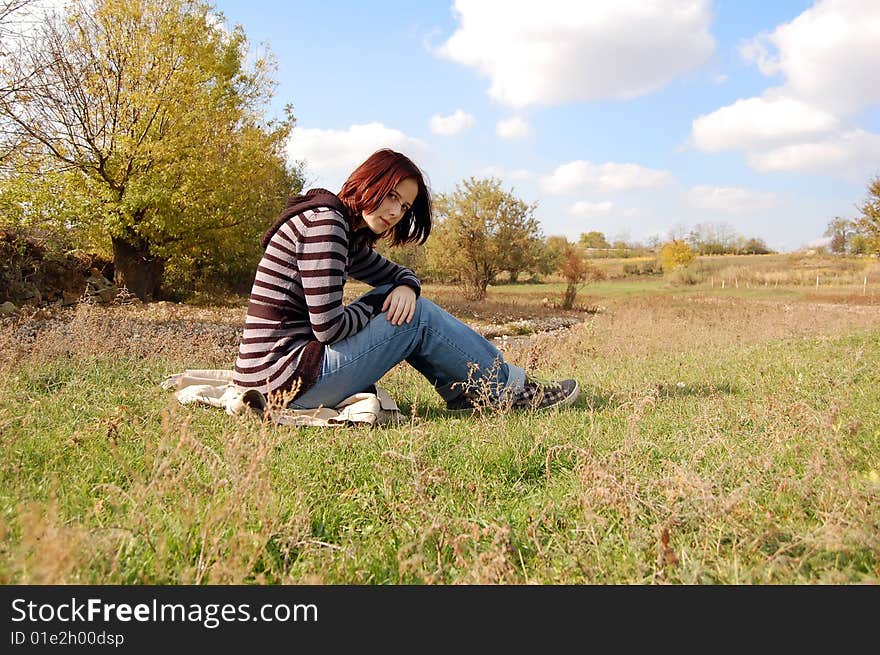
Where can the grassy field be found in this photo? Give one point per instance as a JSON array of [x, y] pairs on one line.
[[723, 436]]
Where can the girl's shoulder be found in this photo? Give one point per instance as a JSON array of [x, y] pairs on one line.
[[320, 220], [316, 210], [322, 216], [319, 225]]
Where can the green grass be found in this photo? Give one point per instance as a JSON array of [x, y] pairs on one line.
[[698, 453]]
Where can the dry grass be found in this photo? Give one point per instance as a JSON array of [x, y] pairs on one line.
[[637, 327], [161, 330]]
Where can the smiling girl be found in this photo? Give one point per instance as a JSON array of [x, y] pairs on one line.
[[300, 336]]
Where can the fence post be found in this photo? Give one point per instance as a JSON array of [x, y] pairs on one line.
[[817, 280], [865, 286]]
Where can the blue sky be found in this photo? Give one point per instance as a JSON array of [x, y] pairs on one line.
[[634, 118]]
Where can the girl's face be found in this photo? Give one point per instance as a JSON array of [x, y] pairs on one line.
[[393, 207]]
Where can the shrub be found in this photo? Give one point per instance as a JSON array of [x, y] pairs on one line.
[[689, 276], [641, 268], [676, 254]]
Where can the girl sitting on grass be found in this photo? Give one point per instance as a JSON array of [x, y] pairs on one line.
[[301, 340]]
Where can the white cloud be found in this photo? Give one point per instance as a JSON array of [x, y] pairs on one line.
[[452, 124], [514, 127], [783, 134], [588, 209], [333, 154], [560, 51], [755, 51], [731, 200], [828, 55], [759, 122], [584, 175], [854, 152]]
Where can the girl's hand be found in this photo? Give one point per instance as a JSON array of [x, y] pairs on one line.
[[400, 304]]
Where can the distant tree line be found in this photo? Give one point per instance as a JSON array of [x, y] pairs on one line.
[[485, 233], [721, 239]]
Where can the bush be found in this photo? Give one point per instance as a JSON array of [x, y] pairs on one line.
[[676, 254], [641, 268], [688, 276]]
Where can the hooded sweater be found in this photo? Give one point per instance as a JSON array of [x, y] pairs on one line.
[[295, 306]]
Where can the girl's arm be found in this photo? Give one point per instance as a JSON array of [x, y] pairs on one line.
[[320, 249], [369, 266]]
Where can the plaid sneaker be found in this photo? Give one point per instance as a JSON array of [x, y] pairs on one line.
[[541, 395], [534, 395]]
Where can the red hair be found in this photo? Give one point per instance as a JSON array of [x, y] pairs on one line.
[[369, 183]]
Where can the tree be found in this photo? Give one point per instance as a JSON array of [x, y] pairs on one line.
[[574, 270], [859, 245], [674, 255], [653, 242], [45, 202], [755, 246], [13, 21], [702, 238], [481, 231], [714, 239], [841, 232], [150, 107], [677, 232], [594, 239], [411, 255], [868, 224], [13, 25], [524, 245], [551, 254]]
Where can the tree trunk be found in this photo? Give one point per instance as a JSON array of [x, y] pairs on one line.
[[136, 269], [570, 294]]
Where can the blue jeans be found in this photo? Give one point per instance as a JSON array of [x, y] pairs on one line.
[[435, 343]]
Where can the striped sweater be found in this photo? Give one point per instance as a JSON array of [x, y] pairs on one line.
[[296, 303]]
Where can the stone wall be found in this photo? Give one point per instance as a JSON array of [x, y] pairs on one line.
[[33, 274]]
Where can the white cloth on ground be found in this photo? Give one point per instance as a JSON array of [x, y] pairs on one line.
[[214, 387]]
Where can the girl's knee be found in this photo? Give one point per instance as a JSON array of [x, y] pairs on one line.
[[425, 307], [429, 312]]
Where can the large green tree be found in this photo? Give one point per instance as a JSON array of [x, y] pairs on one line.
[[151, 109], [483, 230]]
